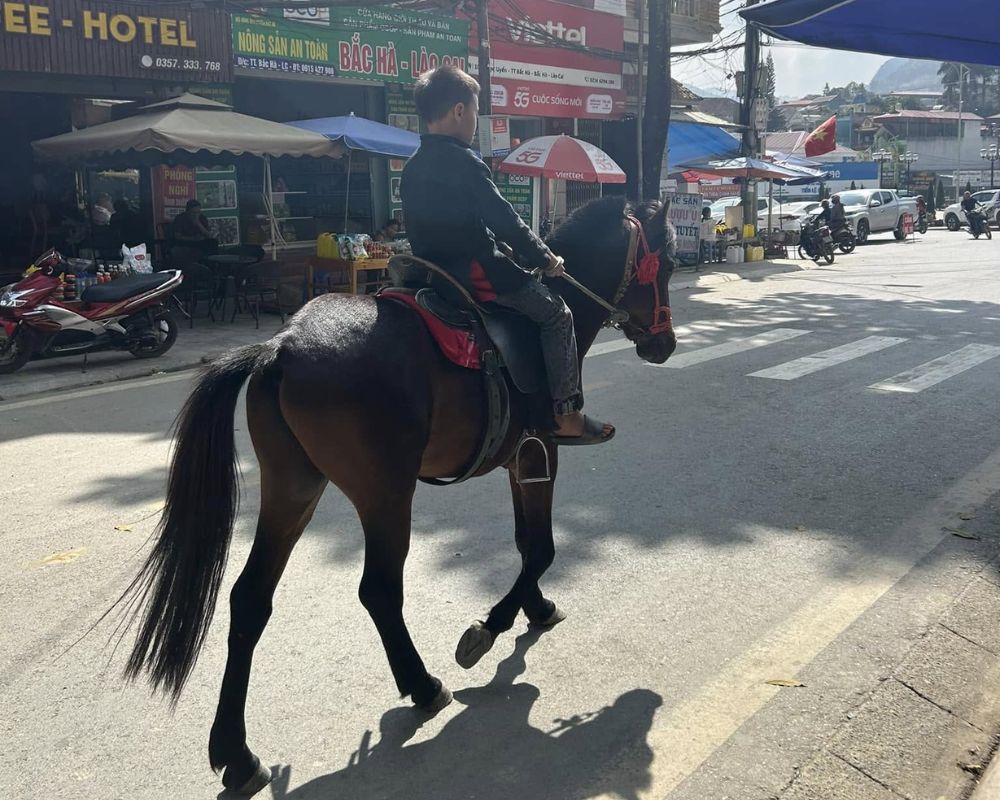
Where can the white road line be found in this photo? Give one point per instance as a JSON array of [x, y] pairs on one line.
[[827, 358], [106, 388], [733, 346], [609, 347], [683, 737], [940, 369]]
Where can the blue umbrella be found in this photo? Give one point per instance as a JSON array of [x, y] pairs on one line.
[[358, 133], [968, 33]]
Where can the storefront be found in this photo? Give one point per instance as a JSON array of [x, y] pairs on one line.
[[556, 68], [294, 64], [67, 64]]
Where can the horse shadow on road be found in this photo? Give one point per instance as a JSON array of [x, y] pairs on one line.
[[490, 751]]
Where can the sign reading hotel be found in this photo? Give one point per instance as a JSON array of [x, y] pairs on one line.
[[547, 61], [118, 40], [382, 44]]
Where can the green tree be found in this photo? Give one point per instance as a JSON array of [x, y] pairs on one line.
[[968, 186], [940, 200], [775, 119], [931, 206], [853, 186]]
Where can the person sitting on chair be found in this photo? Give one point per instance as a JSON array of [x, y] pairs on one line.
[[191, 228], [457, 219], [389, 232]]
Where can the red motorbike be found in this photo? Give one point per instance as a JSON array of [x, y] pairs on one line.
[[126, 314]]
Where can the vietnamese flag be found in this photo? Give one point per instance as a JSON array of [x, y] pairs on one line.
[[823, 139]]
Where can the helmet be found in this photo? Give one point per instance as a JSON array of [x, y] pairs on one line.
[[47, 263]]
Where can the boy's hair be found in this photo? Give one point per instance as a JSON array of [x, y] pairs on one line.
[[440, 89]]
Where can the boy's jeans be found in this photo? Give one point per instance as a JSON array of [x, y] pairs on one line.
[[555, 322]]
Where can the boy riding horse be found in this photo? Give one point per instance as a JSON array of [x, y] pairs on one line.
[[456, 218]]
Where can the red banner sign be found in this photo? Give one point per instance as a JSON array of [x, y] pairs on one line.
[[546, 62]]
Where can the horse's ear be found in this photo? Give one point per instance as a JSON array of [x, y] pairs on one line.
[[656, 226], [658, 221]]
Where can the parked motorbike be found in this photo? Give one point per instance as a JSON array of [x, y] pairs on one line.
[[922, 222], [816, 242], [845, 239], [978, 224], [126, 314]]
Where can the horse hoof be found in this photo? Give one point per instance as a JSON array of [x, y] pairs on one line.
[[260, 778], [553, 619], [442, 699], [475, 643]]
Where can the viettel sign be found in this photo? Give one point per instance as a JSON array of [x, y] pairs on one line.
[[118, 40]]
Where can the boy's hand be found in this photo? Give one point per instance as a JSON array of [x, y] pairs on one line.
[[556, 267]]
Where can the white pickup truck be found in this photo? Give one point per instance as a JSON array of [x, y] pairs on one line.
[[876, 211]]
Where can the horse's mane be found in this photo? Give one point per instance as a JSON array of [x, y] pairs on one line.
[[599, 224]]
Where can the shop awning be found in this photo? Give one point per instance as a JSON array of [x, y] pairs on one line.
[[758, 169], [690, 142], [358, 133], [968, 32], [188, 125]]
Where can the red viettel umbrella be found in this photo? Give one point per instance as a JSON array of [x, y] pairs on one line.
[[563, 158]]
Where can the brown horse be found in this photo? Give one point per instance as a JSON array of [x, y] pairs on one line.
[[403, 413]]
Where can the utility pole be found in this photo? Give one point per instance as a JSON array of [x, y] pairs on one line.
[[483, 34], [656, 112], [640, 68], [751, 143], [961, 135]]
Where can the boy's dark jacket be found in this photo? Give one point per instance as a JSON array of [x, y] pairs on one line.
[[454, 215]]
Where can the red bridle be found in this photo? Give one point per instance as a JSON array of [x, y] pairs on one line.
[[643, 265]]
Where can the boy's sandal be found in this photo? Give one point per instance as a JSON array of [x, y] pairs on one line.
[[593, 433]]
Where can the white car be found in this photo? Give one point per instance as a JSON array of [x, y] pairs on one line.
[[954, 217], [784, 216]]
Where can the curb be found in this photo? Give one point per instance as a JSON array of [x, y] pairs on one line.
[[988, 787], [710, 279]]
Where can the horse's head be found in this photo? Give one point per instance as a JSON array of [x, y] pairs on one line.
[[625, 255], [647, 297]]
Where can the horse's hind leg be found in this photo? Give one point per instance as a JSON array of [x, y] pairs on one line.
[[533, 535], [290, 488], [386, 523]]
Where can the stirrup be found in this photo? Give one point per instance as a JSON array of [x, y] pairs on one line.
[[525, 438]]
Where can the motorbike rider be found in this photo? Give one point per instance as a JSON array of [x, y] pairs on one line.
[[921, 205], [838, 217], [971, 208], [823, 217]]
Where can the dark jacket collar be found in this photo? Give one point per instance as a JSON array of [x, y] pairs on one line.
[[440, 138]]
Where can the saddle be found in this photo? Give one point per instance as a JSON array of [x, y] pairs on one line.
[[504, 345]]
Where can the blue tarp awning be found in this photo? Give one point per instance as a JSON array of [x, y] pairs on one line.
[[359, 133], [690, 142], [968, 32]]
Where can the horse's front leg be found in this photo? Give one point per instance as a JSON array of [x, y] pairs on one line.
[[533, 535]]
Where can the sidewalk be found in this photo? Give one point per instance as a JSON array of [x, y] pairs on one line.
[[194, 347], [206, 340]]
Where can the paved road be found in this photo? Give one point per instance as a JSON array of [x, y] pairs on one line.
[[771, 508]]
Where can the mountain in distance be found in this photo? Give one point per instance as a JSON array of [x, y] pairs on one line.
[[906, 75], [702, 92]]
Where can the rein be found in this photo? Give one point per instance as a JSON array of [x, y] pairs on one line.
[[642, 264]]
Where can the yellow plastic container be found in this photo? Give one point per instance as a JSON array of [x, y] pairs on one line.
[[749, 230], [326, 246]]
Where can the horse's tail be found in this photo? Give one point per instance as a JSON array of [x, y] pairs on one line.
[[177, 587]]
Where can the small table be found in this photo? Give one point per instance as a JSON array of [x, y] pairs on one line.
[[352, 268]]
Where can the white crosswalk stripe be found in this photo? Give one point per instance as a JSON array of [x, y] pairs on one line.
[[938, 370], [733, 346], [807, 365]]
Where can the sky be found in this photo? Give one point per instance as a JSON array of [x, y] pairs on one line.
[[800, 70]]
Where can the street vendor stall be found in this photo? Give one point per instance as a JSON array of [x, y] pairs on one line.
[[192, 131], [340, 268]]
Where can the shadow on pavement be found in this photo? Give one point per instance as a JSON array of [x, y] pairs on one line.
[[490, 751]]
